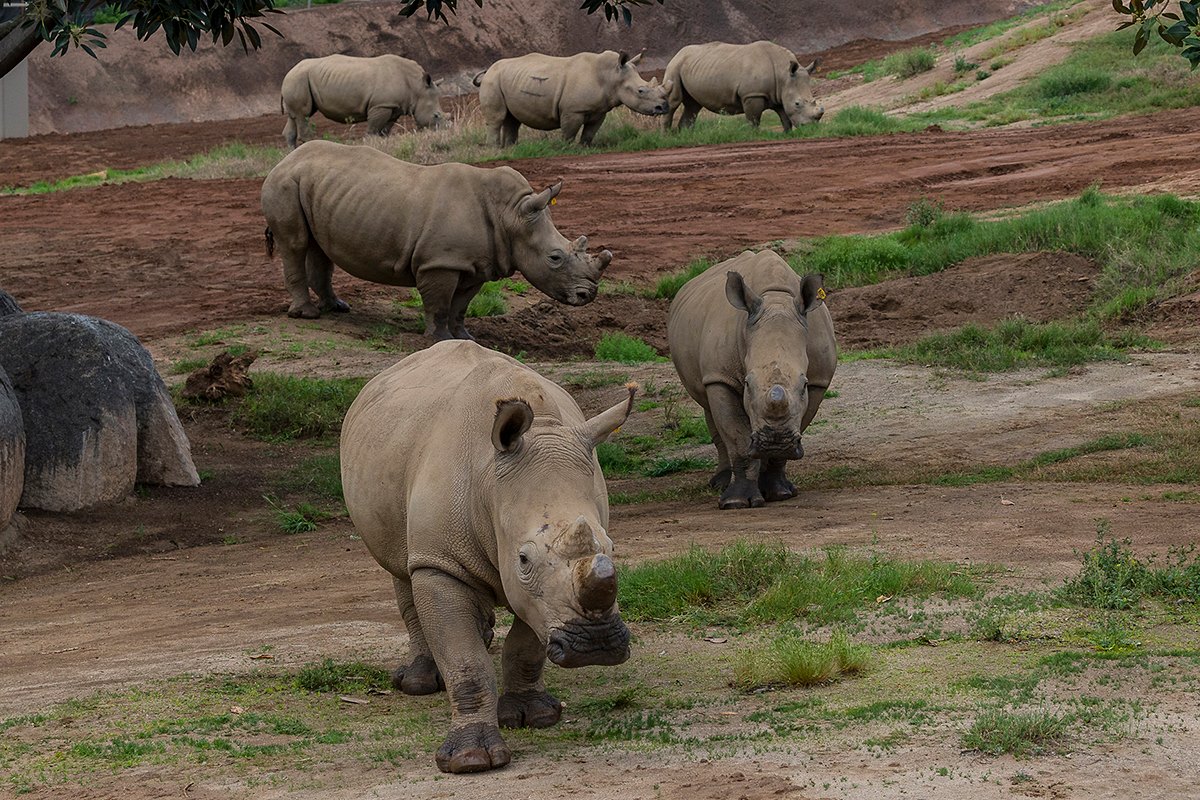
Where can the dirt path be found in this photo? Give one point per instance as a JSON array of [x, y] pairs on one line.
[[180, 254]]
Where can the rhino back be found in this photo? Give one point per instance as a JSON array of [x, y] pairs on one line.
[[345, 87], [383, 220], [529, 88], [418, 460], [719, 75]]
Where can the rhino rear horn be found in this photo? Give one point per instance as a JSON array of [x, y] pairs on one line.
[[538, 202], [812, 292], [740, 295], [606, 423], [596, 583], [513, 418]]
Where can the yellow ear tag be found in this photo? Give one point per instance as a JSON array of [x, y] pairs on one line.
[[616, 430], [553, 201], [821, 293]]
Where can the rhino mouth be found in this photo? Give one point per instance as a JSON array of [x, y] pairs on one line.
[[581, 644], [776, 443]]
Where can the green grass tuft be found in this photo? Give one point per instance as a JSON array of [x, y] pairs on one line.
[[489, 302], [625, 349], [331, 676], [281, 407], [792, 661], [1017, 733]]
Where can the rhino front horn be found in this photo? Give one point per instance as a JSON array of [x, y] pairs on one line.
[[597, 583]]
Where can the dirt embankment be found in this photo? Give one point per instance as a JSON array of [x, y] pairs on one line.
[[136, 83]]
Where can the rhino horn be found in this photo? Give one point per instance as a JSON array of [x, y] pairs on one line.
[[538, 201], [777, 402], [513, 418], [654, 81], [603, 258], [596, 583], [606, 423], [668, 85], [633, 62], [580, 245]]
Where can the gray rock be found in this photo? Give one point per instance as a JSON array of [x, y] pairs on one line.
[[7, 304], [12, 450], [97, 415]]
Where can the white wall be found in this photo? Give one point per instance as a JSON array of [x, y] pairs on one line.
[[14, 103]]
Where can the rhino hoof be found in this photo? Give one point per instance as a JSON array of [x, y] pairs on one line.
[[473, 748], [529, 709], [306, 311], [419, 677], [720, 479], [782, 489], [738, 497], [338, 306]]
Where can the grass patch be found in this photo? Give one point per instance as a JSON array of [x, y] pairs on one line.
[[999, 27], [1112, 577], [668, 287], [319, 477], [594, 379], [338, 677], [489, 302], [748, 583], [1018, 733], [791, 661], [1029, 468], [902, 64], [625, 349], [1017, 343], [282, 407]]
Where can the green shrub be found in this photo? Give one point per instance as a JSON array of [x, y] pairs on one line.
[[625, 349], [669, 286], [792, 661], [1018, 733], [1072, 81], [908, 63]]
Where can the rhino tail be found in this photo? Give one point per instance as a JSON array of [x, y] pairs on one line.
[[270, 237], [478, 79]]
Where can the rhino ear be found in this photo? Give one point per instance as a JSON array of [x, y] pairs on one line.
[[513, 418], [622, 58], [428, 81], [812, 292], [605, 424], [740, 295], [538, 201], [668, 85]]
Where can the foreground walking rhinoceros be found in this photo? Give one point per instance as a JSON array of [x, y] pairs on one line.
[[753, 345], [445, 229], [473, 481], [573, 93], [741, 79], [378, 90]]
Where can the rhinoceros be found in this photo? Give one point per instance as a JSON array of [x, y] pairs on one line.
[[473, 480], [446, 229], [378, 90], [753, 344], [740, 79], [573, 94]]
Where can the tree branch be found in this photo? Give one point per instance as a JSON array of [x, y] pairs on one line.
[[15, 46]]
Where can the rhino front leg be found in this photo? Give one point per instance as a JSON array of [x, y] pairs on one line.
[[319, 268], [773, 481], [724, 473], [525, 702], [456, 614], [380, 120], [590, 128], [438, 287], [754, 108], [570, 124], [421, 675], [784, 120], [733, 427]]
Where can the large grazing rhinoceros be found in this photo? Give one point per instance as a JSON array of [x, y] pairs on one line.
[[446, 229], [741, 79], [573, 93], [378, 90], [473, 481], [753, 345]]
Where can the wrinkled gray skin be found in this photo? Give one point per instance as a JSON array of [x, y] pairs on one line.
[[753, 345], [473, 481], [573, 94], [446, 229], [741, 79], [376, 90]]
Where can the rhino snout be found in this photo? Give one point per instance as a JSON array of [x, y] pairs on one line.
[[770, 442], [582, 643], [580, 297]]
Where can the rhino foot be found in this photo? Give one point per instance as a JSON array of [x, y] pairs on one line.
[[473, 748], [530, 709], [419, 677], [741, 494], [720, 479], [337, 306], [777, 487], [306, 311]]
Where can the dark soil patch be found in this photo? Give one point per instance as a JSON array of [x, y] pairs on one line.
[[1040, 287]]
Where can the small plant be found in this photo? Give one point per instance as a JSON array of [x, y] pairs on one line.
[[669, 286], [792, 661], [302, 519], [982, 75], [625, 349], [908, 63], [1111, 578], [961, 65], [1067, 81], [924, 212], [1018, 733], [331, 676], [489, 302]]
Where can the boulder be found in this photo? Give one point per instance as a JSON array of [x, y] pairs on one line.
[[97, 416]]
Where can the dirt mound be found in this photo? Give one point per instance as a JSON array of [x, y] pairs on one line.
[[137, 83], [549, 330], [1177, 319], [1038, 286]]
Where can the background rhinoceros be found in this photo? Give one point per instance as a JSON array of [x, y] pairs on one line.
[[753, 345], [446, 229], [473, 481], [741, 79], [572, 93], [378, 90]]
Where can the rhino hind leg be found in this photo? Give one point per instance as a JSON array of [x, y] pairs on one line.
[[691, 109], [510, 128], [319, 269], [421, 675], [525, 702], [291, 133], [773, 481], [754, 108]]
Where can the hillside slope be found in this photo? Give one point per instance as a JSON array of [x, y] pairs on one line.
[[140, 83]]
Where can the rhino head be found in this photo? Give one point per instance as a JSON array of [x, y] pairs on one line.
[[553, 554], [774, 349], [635, 93], [797, 97], [427, 110], [560, 268]]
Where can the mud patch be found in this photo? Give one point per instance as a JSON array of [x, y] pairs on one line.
[[549, 330], [1038, 286]]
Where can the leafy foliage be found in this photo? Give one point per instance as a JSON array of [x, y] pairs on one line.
[[613, 9], [1148, 17]]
